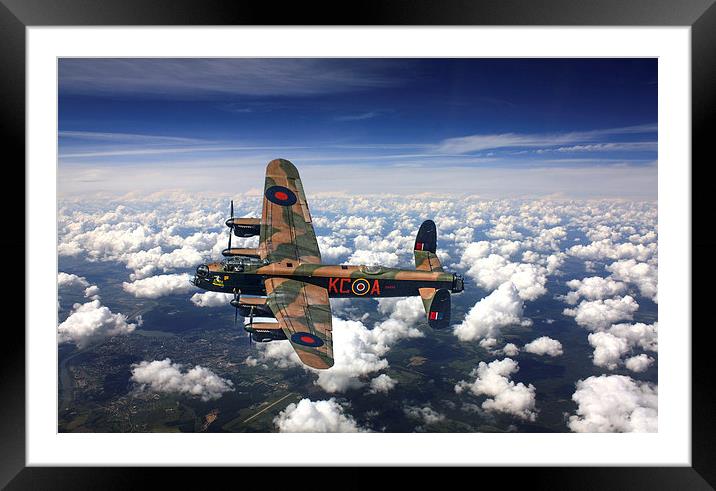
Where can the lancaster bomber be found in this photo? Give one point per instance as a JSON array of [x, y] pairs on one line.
[[285, 279]]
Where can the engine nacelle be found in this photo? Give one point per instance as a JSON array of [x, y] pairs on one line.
[[258, 311], [267, 338], [264, 332], [244, 227]]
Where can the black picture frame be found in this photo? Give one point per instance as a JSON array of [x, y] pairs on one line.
[[16, 15]]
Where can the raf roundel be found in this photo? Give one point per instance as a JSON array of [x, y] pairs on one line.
[[306, 339], [360, 286], [280, 195]]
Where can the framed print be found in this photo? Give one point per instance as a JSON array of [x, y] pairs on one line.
[[464, 228]]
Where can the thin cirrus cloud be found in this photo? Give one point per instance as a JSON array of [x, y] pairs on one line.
[[357, 117], [123, 144], [479, 142], [197, 79]]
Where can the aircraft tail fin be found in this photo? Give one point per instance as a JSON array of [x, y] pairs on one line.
[[436, 302], [437, 306], [425, 247]]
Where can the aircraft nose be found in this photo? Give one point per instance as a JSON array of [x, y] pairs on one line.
[[202, 271]]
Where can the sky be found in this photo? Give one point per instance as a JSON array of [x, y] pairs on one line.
[[492, 128]]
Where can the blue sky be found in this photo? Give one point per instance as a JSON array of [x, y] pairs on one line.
[[486, 127]]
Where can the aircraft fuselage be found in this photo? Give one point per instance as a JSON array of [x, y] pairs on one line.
[[341, 281]]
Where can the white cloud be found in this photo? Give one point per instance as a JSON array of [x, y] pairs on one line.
[[92, 292], [355, 355], [593, 288], [492, 271], [510, 349], [611, 345], [159, 286], [382, 383], [493, 380], [315, 417], [211, 299], [280, 353], [361, 256], [357, 350], [639, 363], [600, 314], [645, 336], [643, 275], [426, 414], [166, 377], [615, 403], [480, 250], [67, 280], [474, 143], [606, 249], [331, 248], [608, 349], [91, 321], [544, 346], [501, 308]]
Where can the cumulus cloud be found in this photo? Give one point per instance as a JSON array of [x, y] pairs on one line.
[[92, 292], [608, 349], [308, 416], [639, 363], [593, 288], [544, 346], [67, 280], [611, 345], [382, 383], [163, 376], [644, 336], [159, 286], [606, 249], [510, 349], [643, 275], [211, 299], [600, 314], [614, 403], [362, 256], [494, 270], [501, 308], [92, 321], [355, 354], [357, 350], [280, 353], [494, 381], [425, 414]]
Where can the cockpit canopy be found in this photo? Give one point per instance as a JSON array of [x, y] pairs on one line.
[[240, 263], [372, 269]]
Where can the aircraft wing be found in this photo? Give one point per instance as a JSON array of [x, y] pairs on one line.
[[304, 314], [286, 228]]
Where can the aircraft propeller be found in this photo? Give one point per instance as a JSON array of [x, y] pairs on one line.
[[236, 310], [231, 229], [251, 322]]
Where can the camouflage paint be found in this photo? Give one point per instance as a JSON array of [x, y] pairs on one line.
[[297, 287]]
